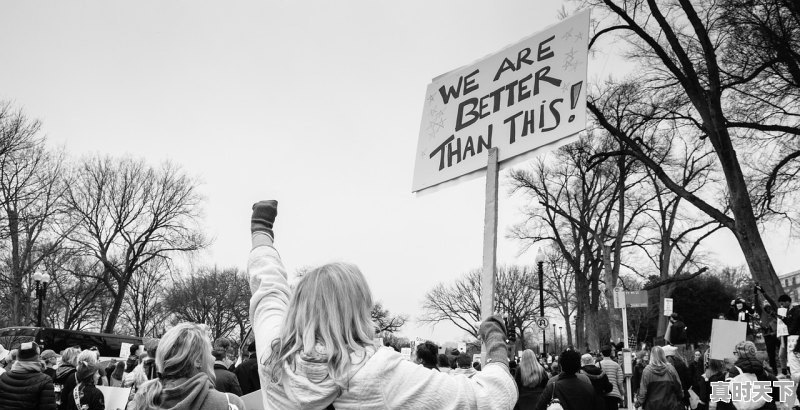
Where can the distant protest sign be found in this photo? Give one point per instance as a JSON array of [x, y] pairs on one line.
[[725, 334], [526, 96]]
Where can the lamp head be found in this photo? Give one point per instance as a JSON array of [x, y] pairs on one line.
[[46, 278], [37, 276], [540, 255]]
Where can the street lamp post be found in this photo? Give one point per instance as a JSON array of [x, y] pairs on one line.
[[555, 345], [540, 268], [41, 279], [561, 336]]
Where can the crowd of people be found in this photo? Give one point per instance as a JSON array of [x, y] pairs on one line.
[[180, 371], [316, 350]]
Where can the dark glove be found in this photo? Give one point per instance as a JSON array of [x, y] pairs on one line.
[[264, 213], [493, 334]]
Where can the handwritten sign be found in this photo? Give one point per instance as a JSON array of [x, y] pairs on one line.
[[115, 397], [526, 96]]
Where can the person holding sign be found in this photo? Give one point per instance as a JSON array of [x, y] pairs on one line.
[[315, 343], [789, 315]]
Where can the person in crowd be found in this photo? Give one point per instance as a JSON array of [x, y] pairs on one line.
[[642, 358], [531, 380], [555, 369], [676, 331], [617, 378], [86, 358], [116, 375], [598, 378], [133, 351], [317, 338], [660, 387], [145, 370], [11, 358], [85, 395], [464, 366], [741, 311], [684, 374], [426, 355], [714, 373], [65, 372], [24, 386], [747, 362], [247, 372], [50, 359], [224, 380], [186, 382], [768, 321], [226, 345], [791, 319], [573, 390], [696, 367], [444, 364]]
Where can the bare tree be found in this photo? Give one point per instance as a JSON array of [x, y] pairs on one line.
[[559, 286], [31, 192], [217, 298], [144, 306], [687, 78], [516, 297], [75, 298], [129, 214], [385, 322]]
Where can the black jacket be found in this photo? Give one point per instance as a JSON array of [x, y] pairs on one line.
[[26, 390], [92, 397], [247, 374], [226, 381], [677, 333], [598, 378], [572, 392], [528, 396]]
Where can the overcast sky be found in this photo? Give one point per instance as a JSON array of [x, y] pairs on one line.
[[315, 104]]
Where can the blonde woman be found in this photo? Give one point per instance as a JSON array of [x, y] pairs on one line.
[[531, 380], [315, 348], [187, 375], [660, 388]]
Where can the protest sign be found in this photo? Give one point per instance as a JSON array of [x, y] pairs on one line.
[[115, 397], [406, 353], [526, 96], [253, 401], [476, 358], [667, 306], [725, 334], [125, 350]]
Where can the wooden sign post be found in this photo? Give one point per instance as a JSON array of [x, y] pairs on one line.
[[489, 243]]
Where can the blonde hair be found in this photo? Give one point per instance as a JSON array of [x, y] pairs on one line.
[[184, 351], [657, 356], [331, 305], [70, 355], [531, 372]]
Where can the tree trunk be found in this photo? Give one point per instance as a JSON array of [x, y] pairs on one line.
[[113, 314], [16, 274], [582, 291]]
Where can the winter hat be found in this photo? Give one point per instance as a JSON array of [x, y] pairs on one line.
[[48, 354], [670, 350], [86, 371], [28, 352]]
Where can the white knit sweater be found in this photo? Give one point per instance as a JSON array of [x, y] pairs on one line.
[[382, 380]]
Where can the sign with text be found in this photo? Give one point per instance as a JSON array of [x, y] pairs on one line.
[[526, 96], [630, 299], [725, 334], [406, 353], [667, 306]]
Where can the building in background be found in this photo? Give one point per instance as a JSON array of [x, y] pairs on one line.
[[791, 284]]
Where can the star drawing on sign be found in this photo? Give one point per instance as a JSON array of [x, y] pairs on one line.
[[565, 87], [430, 98], [568, 34], [571, 54], [579, 36]]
